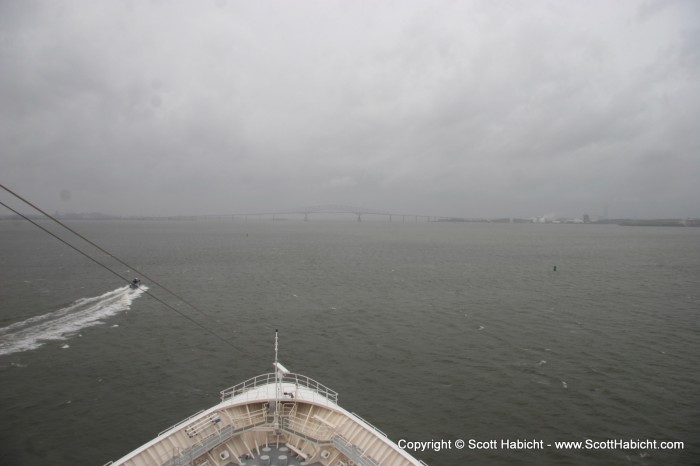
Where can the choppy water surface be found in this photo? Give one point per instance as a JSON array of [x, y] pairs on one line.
[[431, 331]]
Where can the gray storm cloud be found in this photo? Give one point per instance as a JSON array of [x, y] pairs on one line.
[[477, 108]]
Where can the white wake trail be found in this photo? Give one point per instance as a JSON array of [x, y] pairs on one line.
[[58, 325]]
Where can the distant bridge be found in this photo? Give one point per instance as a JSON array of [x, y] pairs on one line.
[[339, 209], [359, 212]]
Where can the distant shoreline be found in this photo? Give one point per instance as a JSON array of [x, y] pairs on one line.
[[659, 222]]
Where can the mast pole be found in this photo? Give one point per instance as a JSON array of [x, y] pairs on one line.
[[278, 387]]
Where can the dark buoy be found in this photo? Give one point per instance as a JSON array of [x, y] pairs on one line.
[[554, 269]]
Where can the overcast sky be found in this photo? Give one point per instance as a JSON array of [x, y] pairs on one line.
[[466, 108]]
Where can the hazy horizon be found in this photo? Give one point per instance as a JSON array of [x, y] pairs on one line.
[[469, 109]]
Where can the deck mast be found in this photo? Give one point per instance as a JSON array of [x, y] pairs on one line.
[[278, 388]]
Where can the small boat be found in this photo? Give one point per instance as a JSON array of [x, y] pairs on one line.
[[135, 283]]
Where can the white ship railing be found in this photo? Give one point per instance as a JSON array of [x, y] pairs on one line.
[[186, 456], [181, 422], [353, 452], [297, 380], [369, 423]]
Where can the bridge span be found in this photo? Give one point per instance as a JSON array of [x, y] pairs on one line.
[[328, 209]]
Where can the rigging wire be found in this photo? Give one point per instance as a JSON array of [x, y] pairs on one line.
[[103, 250], [64, 242], [203, 327]]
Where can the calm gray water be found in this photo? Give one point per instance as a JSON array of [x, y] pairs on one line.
[[431, 331]]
